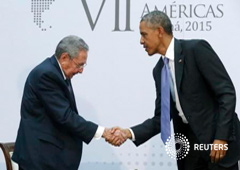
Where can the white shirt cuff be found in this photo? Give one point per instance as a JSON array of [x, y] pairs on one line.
[[133, 136], [99, 132]]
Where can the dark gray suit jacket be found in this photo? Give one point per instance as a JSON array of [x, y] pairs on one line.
[[51, 131], [207, 97]]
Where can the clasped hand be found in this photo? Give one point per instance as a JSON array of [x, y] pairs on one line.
[[116, 136]]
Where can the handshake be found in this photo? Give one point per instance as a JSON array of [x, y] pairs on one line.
[[116, 135]]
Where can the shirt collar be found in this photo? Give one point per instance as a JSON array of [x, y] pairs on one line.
[[170, 51], [64, 77]]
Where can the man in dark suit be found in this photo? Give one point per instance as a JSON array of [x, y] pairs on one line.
[[201, 97], [51, 131]]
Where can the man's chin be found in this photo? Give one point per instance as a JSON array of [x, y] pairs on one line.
[[150, 54], [69, 77]]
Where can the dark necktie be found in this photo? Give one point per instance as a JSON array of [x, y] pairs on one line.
[[69, 87], [72, 97], [165, 102]]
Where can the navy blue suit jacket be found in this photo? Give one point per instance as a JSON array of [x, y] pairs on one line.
[[207, 97], [51, 131]]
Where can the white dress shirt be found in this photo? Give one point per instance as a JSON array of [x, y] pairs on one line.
[[100, 129], [170, 56]]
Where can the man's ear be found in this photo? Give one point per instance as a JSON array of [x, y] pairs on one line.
[[161, 31], [64, 56]]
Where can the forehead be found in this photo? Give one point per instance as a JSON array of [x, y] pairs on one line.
[[144, 27]]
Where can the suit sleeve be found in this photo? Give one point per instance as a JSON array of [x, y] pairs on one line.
[[57, 105], [149, 127], [220, 83]]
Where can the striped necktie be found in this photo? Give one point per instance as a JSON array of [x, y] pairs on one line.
[[165, 102]]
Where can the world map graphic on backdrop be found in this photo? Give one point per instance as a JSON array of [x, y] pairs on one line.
[[38, 7]]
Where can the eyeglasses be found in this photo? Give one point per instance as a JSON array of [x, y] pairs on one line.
[[79, 66]]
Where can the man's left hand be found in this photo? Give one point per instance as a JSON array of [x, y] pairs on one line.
[[218, 150]]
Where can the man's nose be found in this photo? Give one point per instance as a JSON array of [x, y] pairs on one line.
[[80, 70], [141, 41]]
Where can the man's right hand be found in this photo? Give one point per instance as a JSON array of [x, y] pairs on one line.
[[116, 137], [126, 132]]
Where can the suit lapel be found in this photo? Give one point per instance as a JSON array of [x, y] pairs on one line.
[[178, 62], [70, 96]]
